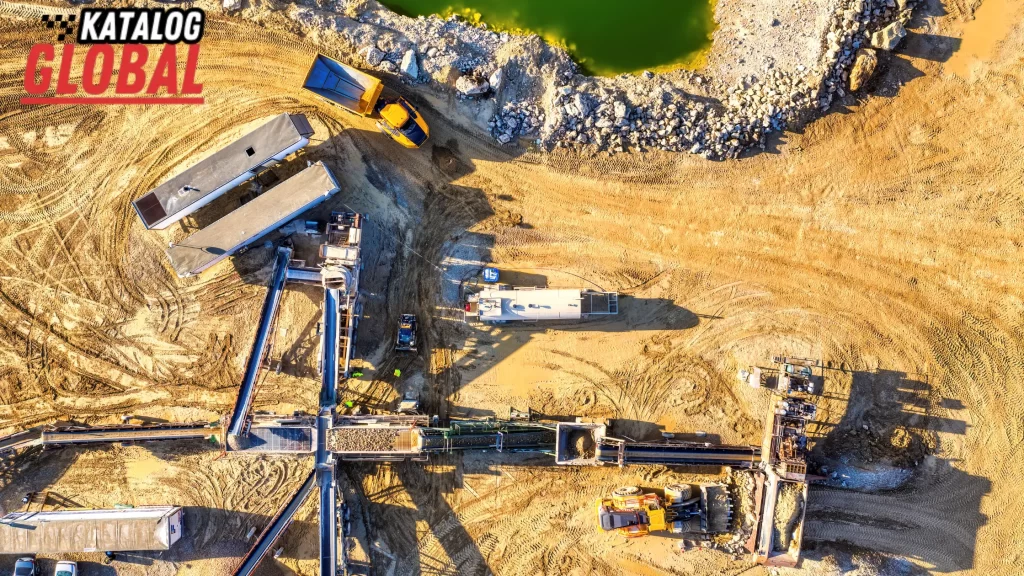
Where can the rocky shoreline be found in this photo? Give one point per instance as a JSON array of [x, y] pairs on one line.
[[524, 90]]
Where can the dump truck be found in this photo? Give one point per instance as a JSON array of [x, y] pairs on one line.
[[362, 94], [406, 341], [684, 509]]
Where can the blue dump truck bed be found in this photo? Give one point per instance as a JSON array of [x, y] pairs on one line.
[[343, 85]]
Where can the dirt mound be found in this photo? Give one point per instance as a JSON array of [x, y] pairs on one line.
[[788, 508], [581, 444]]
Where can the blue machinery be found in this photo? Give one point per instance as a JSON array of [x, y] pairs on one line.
[[325, 468], [239, 417], [339, 276]]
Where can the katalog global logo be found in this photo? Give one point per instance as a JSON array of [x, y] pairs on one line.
[[143, 45]]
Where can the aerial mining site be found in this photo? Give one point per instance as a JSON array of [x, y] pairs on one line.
[[340, 287]]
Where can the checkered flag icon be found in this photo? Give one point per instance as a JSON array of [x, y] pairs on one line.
[[64, 24]]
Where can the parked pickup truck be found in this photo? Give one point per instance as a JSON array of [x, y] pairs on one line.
[[361, 94]]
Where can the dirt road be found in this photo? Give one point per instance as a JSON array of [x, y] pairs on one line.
[[884, 238]]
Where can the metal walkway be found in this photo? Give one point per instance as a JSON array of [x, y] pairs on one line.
[[274, 530], [237, 425]]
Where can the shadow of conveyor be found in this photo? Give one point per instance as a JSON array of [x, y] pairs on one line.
[[397, 545], [886, 490]]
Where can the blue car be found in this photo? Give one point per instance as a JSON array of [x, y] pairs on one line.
[[26, 567], [406, 341]]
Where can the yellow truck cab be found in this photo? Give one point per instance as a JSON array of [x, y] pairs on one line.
[[403, 123], [360, 93]]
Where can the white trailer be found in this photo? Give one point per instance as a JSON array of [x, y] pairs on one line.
[[268, 212], [221, 171], [118, 530], [532, 304]]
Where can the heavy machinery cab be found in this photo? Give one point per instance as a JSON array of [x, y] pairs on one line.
[[401, 117], [631, 513], [617, 519]]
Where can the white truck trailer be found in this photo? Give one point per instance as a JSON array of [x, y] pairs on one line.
[[117, 530], [498, 305], [223, 170]]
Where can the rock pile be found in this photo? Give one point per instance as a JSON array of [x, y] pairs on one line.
[[516, 119], [535, 91]]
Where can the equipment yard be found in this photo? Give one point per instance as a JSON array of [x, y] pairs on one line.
[[801, 359]]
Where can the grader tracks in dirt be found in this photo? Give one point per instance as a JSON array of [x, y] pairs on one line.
[[881, 238]]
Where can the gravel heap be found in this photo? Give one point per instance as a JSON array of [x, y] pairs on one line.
[[363, 439], [527, 89]]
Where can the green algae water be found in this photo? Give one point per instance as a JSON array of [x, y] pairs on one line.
[[606, 37]]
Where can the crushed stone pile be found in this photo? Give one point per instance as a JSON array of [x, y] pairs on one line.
[[363, 439]]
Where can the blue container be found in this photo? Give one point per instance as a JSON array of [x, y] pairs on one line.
[[490, 275]]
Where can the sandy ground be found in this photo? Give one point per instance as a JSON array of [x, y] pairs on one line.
[[884, 240]]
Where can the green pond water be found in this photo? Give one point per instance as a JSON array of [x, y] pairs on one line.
[[606, 36]]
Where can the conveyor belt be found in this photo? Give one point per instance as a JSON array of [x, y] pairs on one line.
[[274, 530], [328, 523], [56, 437], [329, 349], [514, 439], [678, 454], [259, 346], [20, 440]]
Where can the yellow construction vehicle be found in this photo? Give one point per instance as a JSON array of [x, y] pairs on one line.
[[630, 512], [683, 510], [360, 93]]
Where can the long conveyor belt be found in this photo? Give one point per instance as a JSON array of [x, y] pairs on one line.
[[276, 527], [21, 440], [511, 439], [328, 519], [680, 454], [329, 348], [82, 435], [236, 427]]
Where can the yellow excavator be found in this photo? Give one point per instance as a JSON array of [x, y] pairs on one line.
[[683, 510], [361, 94]]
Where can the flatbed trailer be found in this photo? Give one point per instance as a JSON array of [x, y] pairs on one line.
[[244, 226]]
